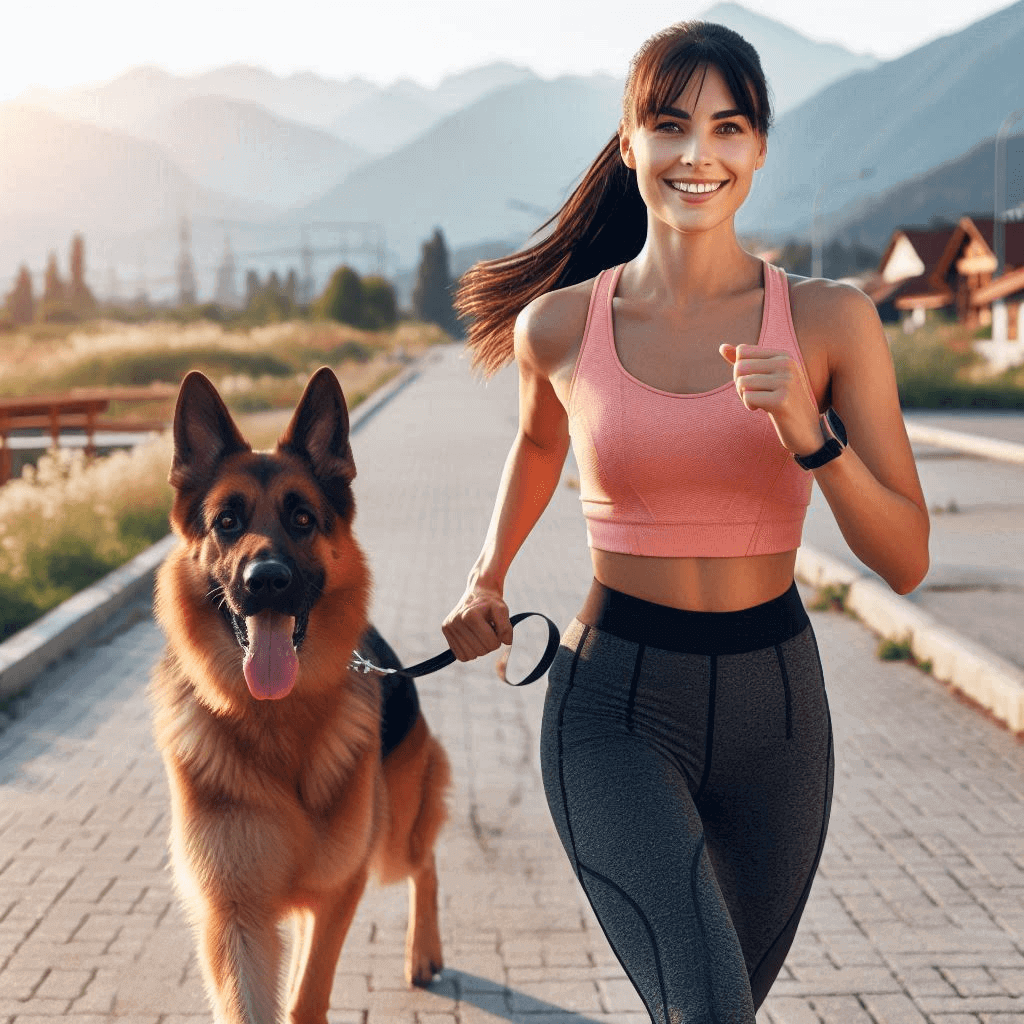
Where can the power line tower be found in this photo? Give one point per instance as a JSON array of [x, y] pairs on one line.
[[307, 284], [226, 294], [186, 268], [113, 286]]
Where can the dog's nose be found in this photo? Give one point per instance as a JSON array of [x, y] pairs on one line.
[[267, 578]]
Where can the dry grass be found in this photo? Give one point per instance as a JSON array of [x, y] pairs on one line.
[[68, 520]]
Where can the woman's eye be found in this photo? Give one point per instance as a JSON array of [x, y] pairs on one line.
[[669, 126], [734, 129]]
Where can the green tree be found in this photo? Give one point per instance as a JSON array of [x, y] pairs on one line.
[[432, 295], [53, 285], [54, 307], [380, 306], [291, 288], [79, 297], [269, 304], [20, 303], [252, 286], [342, 299]]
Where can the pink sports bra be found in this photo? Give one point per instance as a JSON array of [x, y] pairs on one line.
[[682, 475]]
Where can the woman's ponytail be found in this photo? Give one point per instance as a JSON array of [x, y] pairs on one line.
[[603, 223]]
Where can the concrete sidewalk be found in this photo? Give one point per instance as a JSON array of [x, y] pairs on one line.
[[917, 913]]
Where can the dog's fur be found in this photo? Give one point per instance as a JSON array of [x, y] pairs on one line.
[[281, 807]]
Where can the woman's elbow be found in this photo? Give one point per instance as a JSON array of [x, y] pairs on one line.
[[910, 575]]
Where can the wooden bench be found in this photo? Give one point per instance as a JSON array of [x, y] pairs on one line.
[[80, 410]]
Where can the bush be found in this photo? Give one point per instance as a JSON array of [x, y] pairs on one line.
[[931, 372], [342, 299], [380, 306], [63, 564], [17, 609], [143, 368]]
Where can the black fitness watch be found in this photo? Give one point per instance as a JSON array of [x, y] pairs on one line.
[[835, 433]]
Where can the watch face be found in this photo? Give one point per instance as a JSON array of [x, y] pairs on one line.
[[836, 424]]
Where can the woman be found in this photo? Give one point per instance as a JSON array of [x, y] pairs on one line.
[[686, 746]]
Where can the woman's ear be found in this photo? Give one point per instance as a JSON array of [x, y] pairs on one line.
[[626, 147], [762, 154]]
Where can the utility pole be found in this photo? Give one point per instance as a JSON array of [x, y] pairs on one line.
[[864, 172], [186, 269], [306, 286]]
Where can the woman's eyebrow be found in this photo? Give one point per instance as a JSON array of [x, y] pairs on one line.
[[717, 116]]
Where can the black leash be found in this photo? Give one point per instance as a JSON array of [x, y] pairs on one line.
[[439, 661]]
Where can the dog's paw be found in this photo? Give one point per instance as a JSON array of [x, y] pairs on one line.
[[421, 971]]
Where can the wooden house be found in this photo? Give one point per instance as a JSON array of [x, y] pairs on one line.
[[950, 268], [905, 284]]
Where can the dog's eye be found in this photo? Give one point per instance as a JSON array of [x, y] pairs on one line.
[[228, 522], [302, 519]]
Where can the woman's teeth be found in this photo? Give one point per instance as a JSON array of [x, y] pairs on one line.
[[696, 187]]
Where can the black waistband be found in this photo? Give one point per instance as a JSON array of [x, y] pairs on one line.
[[690, 632]]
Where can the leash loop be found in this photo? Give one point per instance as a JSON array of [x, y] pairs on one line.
[[439, 661]]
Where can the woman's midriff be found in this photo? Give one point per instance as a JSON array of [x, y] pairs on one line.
[[697, 584]]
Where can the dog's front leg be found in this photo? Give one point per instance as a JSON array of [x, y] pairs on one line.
[[318, 945], [240, 956]]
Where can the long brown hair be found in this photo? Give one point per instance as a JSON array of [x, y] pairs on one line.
[[604, 221]]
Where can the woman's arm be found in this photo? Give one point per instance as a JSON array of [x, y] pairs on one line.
[[480, 621], [872, 488]]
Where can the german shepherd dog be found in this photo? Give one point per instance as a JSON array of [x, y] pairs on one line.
[[282, 801]]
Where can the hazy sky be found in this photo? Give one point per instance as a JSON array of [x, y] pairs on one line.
[[60, 43]]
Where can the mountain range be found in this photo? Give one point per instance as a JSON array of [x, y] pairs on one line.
[[900, 119], [486, 155], [962, 186]]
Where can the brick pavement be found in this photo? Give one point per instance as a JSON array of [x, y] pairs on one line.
[[917, 913]]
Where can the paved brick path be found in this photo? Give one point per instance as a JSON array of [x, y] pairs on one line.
[[917, 913]]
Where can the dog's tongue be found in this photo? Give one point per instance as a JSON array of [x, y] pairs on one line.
[[271, 665]]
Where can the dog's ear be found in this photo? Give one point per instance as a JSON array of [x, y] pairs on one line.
[[204, 433], [318, 433]]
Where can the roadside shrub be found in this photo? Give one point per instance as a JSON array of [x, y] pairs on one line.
[[17, 609], [63, 564], [933, 368]]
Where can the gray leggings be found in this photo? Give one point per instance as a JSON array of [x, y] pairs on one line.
[[687, 761]]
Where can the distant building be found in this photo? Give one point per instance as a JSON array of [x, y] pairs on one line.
[[906, 284], [972, 259], [950, 268]]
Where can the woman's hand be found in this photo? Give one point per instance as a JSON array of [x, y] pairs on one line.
[[478, 624], [771, 380]]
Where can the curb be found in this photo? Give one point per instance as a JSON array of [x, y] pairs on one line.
[[991, 681], [969, 444], [36, 647]]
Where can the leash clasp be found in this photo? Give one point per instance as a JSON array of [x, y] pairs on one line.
[[365, 667]]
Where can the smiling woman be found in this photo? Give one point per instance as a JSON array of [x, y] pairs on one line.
[[686, 747]]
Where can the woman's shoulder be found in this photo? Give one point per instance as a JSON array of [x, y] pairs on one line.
[[817, 300], [550, 328], [838, 312]]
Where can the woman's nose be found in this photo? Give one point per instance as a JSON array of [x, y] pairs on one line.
[[690, 151]]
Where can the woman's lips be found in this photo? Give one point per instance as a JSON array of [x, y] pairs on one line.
[[696, 197]]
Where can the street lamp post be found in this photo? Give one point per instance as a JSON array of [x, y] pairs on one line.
[[999, 212], [864, 172]]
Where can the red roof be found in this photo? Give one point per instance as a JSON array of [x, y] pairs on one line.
[[929, 243], [1013, 236], [920, 291]]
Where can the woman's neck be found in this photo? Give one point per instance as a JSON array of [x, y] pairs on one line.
[[680, 269]]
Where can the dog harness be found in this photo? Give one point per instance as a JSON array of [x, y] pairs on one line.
[[682, 475]]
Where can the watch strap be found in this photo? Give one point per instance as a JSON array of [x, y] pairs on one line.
[[831, 449]]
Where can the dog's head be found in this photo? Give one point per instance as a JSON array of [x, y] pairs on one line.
[[270, 563]]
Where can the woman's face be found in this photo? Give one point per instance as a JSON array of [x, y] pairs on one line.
[[695, 160]]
